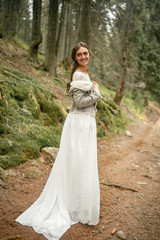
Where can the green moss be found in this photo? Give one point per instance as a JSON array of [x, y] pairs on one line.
[[109, 117], [30, 119], [19, 43], [101, 132]]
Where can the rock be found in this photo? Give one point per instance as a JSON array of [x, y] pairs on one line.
[[41, 159], [51, 153], [142, 183], [3, 174], [34, 163], [121, 235], [2, 184], [128, 133], [11, 172], [114, 231]]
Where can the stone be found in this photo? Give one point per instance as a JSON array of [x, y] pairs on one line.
[[128, 133], [34, 163], [114, 231], [121, 235], [51, 153], [41, 159], [142, 183]]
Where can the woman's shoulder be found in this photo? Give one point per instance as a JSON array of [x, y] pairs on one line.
[[80, 76]]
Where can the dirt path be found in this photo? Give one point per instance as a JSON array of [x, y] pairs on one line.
[[129, 171]]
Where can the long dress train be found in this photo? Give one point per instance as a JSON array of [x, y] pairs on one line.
[[71, 194]]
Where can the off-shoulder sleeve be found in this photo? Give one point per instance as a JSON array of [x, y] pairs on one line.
[[78, 76], [87, 99]]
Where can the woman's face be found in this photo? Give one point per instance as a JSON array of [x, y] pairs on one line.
[[82, 56]]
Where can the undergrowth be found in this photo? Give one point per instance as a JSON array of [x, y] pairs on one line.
[[109, 117], [30, 120]]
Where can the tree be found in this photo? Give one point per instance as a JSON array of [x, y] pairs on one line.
[[36, 29], [68, 35], [44, 25], [84, 22], [60, 45], [124, 52], [1, 17], [152, 69], [10, 19], [51, 58], [25, 21]]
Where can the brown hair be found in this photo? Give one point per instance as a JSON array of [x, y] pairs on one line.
[[75, 64]]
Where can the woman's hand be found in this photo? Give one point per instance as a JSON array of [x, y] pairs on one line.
[[96, 86]]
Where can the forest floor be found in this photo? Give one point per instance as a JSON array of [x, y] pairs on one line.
[[129, 172]]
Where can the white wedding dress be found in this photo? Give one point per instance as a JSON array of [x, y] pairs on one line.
[[71, 194]]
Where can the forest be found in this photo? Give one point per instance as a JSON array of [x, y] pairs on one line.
[[122, 35], [36, 39]]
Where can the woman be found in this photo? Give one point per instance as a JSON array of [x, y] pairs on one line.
[[71, 194]]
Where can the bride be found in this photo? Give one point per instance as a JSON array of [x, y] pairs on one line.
[[71, 194]]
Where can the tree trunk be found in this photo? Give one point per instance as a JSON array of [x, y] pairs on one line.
[[36, 29], [1, 17], [84, 29], [78, 10], [10, 19], [123, 64], [44, 25], [68, 37], [120, 91], [51, 61], [61, 33]]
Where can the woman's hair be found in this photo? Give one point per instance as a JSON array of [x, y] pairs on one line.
[[75, 64]]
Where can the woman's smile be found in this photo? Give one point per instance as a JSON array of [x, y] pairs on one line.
[[82, 56]]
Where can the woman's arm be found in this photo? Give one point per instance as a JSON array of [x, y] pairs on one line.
[[82, 99]]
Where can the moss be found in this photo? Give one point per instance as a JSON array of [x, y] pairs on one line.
[[13, 160], [30, 118], [101, 132], [109, 117], [19, 43]]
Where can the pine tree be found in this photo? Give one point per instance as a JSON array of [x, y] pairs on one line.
[[36, 29], [51, 58]]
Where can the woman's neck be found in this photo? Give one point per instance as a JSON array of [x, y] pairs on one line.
[[82, 69]]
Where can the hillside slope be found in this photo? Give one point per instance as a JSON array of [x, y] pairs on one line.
[[34, 105]]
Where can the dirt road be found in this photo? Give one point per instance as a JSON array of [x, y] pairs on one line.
[[129, 171]]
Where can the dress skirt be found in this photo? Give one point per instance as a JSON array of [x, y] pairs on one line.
[[71, 194]]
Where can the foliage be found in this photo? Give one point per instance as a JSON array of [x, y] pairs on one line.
[[123, 37], [109, 117], [29, 118]]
